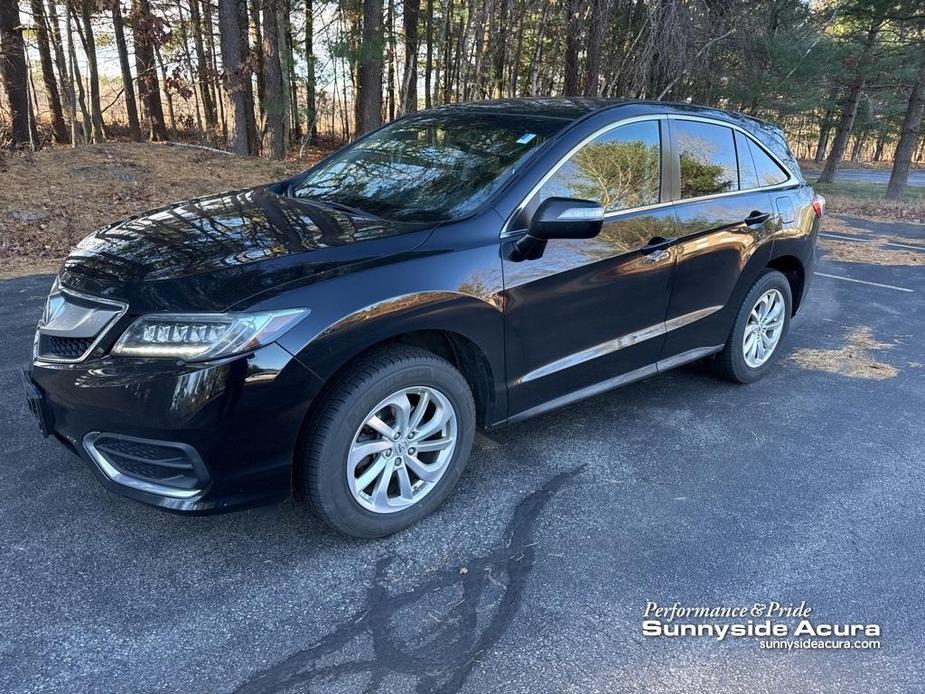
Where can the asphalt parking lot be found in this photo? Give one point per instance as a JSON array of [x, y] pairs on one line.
[[808, 486]]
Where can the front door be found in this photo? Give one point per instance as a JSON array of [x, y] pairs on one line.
[[590, 312]]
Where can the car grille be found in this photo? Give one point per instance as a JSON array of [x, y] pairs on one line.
[[64, 347], [72, 324], [170, 465]]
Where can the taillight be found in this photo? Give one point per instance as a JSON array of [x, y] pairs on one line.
[[819, 205]]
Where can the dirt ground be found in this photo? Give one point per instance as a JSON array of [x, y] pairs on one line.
[[51, 199]]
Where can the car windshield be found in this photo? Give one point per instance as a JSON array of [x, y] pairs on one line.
[[429, 167]]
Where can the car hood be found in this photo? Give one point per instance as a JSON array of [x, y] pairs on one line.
[[214, 252]]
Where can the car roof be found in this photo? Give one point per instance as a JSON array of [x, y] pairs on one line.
[[572, 108]]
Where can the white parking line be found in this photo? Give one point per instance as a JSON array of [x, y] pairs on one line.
[[843, 238], [861, 239], [872, 284], [904, 245]]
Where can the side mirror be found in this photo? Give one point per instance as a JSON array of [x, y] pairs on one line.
[[558, 218], [566, 218]]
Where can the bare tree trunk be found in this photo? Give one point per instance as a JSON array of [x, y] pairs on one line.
[[295, 132], [67, 89], [599, 16], [823, 142], [850, 111], [912, 125], [75, 76], [843, 133], [247, 58], [447, 51], [858, 147], [128, 84], [237, 75], [148, 85], [255, 7], [878, 149], [274, 143], [429, 57], [572, 37], [212, 56], [203, 69], [282, 36], [184, 42], [13, 73], [409, 79], [311, 107], [500, 47], [48, 72], [390, 58], [369, 93], [89, 44], [171, 118]]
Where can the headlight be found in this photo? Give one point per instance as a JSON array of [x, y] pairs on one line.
[[201, 336]]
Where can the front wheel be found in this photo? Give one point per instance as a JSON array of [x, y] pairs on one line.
[[388, 443], [761, 324]]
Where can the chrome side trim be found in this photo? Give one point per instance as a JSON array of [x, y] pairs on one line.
[[587, 392], [791, 179], [621, 342], [128, 481], [616, 382], [686, 357], [688, 318], [119, 310]]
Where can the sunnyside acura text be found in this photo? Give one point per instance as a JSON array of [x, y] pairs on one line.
[[340, 334]]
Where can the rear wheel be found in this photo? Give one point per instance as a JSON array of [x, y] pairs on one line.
[[761, 324], [388, 443]]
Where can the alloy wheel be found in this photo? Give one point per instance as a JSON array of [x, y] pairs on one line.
[[402, 449], [764, 328]]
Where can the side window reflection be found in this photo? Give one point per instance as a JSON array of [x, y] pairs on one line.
[[708, 158], [621, 169]]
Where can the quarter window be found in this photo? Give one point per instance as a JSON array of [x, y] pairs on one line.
[[769, 173], [708, 158], [620, 169]]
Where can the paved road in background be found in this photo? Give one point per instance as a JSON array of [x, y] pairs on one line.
[[916, 178], [533, 576]]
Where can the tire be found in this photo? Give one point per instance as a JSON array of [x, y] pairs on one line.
[[339, 429], [733, 363]]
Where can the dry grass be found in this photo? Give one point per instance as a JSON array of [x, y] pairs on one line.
[[870, 252], [854, 359], [907, 211], [51, 199]]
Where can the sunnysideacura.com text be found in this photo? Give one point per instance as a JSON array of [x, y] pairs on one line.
[[774, 625]]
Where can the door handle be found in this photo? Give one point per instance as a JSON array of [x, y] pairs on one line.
[[755, 218], [655, 256], [656, 243]]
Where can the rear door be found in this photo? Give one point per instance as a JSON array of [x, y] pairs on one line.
[[724, 219]]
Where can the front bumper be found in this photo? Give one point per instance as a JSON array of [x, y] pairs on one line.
[[237, 419]]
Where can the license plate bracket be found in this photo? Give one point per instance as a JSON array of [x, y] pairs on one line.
[[38, 404]]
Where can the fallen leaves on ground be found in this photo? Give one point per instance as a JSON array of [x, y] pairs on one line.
[[854, 359], [51, 199]]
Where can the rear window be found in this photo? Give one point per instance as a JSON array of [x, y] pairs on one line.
[[708, 158]]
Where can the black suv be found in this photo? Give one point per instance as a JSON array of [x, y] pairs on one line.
[[340, 334]]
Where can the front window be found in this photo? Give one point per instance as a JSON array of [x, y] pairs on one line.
[[431, 167], [620, 169]]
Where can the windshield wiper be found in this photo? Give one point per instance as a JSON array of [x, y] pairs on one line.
[[333, 203]]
